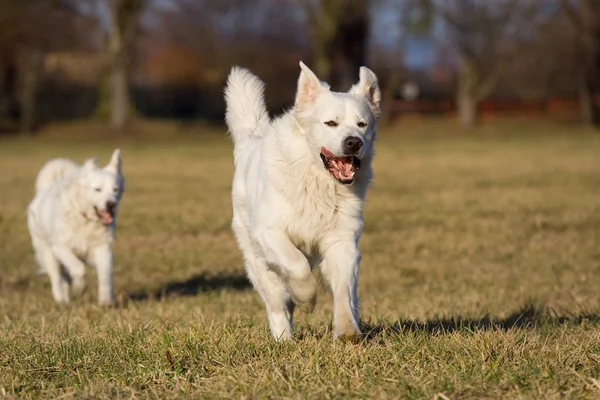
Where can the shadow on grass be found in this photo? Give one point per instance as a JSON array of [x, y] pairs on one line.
[[528, 317], [192, 286]]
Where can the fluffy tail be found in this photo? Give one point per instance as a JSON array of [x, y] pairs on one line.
[[53, 171], [246, 114]]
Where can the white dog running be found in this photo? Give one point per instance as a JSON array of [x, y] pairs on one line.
[[298, 191], [72, 220]]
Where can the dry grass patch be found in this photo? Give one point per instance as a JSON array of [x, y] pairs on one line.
[[480, 277]]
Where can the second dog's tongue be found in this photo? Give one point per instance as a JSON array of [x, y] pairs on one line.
[[105, 217]]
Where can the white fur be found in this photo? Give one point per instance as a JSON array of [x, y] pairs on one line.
[[53, 171], [289, 213], [65, 229]]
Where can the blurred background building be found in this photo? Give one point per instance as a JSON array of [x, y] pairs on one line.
[[117, 60]]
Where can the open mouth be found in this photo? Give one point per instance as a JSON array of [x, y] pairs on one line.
[[106, 216], [342, 168]]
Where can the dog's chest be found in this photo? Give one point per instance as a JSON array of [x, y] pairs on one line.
[[316, 213], [88, 237], [319, 211]]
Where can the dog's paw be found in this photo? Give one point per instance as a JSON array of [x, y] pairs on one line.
[[354, 338], [346, 331], [61, 295], [304, 293], [62, 303], [106, 303], [78, 286], [307, 307], [283, 337]]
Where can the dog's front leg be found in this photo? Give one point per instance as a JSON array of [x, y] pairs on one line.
[[102, 258], [340, 268], [74, 267], [291, 264]]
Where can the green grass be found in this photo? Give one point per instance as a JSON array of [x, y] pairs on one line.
[[480, 275]]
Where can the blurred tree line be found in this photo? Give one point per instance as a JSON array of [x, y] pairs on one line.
[[118, 59]]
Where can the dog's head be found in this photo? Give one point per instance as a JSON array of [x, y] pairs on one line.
[[103, 187], [340, 127]]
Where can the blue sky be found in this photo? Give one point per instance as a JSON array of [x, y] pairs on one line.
[[386, 30]]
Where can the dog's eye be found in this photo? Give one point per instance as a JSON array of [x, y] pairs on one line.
[[116, 189], [362, 124], [97, 189], [332, 124]]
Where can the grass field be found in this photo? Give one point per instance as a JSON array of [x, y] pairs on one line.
[[480, 276]]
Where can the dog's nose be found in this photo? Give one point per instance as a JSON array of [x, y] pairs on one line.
[[352, 145], [110, 204]]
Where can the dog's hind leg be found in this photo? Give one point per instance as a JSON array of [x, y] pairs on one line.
[[270, 287], [292, 264], [48, 262], [340, 268]]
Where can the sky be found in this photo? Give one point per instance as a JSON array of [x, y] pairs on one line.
[[386, 30]]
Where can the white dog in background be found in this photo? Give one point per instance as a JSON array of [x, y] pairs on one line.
[[72, 220], [298, 192]]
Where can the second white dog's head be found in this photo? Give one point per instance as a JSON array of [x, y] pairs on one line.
[[340, 127], [103, 187]]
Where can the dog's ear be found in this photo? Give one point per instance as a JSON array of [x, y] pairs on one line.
[[89, 165], [115, 161], [368, 86], [309, 86]]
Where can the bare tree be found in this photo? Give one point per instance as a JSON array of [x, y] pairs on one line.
[[123, 27], [338, 32], [30, 28], [584, 16], [478, 31], [120, 20], [20, 43], [11, 17]]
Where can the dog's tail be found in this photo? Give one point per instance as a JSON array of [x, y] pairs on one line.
[[246, 114], [53, 171]]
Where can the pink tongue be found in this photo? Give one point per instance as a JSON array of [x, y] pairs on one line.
[[105, 217]]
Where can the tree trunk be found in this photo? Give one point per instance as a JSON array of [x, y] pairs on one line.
[[8, 93], [350, 46], [28, 99], [3, 93], [322, 61], [30, 70], [121, 33], [467, 109], [587, 104], [102, 110], [468, 85], [119, 97], [389, 96], [339, 33]]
